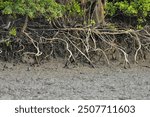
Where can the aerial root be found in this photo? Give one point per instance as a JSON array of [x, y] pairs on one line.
[[85, 43], [86, 40]]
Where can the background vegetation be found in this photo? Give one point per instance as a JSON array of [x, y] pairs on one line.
[[137, 9]]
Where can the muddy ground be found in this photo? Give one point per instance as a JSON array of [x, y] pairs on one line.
[[51, 81]]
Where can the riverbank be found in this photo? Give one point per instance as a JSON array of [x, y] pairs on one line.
[[51, 81]]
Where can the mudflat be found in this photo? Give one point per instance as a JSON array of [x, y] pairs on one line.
[[51, 81]]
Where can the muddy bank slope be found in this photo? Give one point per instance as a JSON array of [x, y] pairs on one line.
[[52, 81]]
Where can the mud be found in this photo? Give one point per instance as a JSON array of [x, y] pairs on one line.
[[51, 81]]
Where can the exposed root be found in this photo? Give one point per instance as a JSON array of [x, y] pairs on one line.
[[80, 51], [36, 46], [81, 42], [67, 47]]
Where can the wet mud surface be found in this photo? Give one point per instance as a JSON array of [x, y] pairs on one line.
[[52, 81]]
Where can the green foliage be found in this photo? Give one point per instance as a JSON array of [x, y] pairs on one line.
[[32, 8], [110, 8], [74, 8], [136, 8], [13, 32], [8, 43], [92, 22]]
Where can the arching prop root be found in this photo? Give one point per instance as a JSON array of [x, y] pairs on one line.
[[84, 43]]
